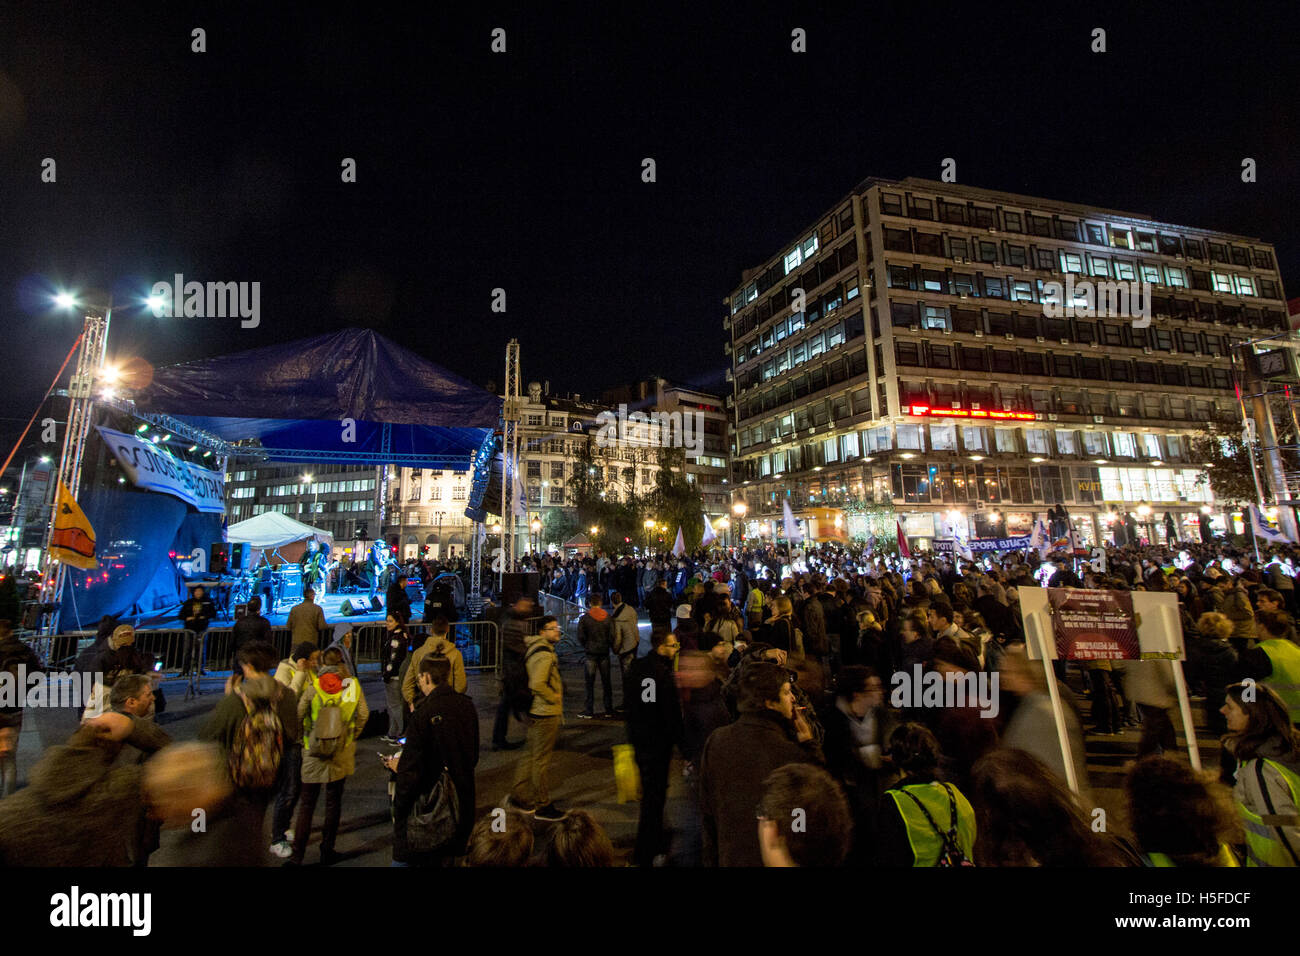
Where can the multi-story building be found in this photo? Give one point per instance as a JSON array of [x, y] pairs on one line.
[[706, 450], [339, 499], [553, 432], [900, 350], [425, 513]]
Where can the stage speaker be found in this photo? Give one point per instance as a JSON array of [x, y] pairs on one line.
[[241, 611], [218, 557], [376, 604], [238, 557], [351, 607], [517, 585]]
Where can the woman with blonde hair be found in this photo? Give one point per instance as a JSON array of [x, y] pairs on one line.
[[1212, 663]]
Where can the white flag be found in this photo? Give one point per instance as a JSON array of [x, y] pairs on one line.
[[1041, 539], [790, 527], [1263, 531], [520, 508], [710, 535], [679, 546]]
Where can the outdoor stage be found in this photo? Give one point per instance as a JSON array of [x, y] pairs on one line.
[[329, 603]]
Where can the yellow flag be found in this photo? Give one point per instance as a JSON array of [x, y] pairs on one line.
[[74, 539]]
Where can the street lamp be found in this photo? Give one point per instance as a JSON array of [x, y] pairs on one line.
[[440, 515], [649, 526], [537, 535], [307, 480]]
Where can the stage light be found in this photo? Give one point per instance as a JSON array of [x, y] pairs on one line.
[[156, 304], [142, 428], [45, 459], [167, 437], [109, 373], [207, 454], [155, 439], [65, 300], [192, 448]]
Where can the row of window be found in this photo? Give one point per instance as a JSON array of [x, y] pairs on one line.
[[831, 228], [1057, 365], [1049, 484], [831, 265], [1055, 227], [1035, 324], [962, 249], [834, 372], [314, 488], [1065, 401], [323, 507], [790, 326]]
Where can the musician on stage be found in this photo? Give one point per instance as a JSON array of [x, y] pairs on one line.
[[312, 563], [378, 562]]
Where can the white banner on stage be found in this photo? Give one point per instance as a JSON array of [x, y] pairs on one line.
[[153, 467]]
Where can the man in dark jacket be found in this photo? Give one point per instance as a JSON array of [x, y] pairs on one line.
[[659, 602], [16, 658], [514, 677], [251, 627], [395, 598], [654, 726], [738, 758], [596, 634], [197, 612], [443, 733]]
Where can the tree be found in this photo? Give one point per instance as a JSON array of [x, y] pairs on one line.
[[559, 525], [676, 501], [1225, 466]]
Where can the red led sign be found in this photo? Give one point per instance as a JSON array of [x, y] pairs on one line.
[[972, 413]]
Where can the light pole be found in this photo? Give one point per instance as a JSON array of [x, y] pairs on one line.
[[536, 527], [307, 480], [441, 515], [739, 509]]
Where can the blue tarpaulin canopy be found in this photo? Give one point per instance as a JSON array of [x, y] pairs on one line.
[[350, 396]]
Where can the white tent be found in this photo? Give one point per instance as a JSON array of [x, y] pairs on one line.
[[271, 529]]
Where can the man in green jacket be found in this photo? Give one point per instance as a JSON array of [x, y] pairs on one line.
[[531, 792]]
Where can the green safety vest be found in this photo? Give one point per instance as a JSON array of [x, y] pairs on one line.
[[347, 700], [1225, 858], [1264, 845], [926, 844], [1285, 679]]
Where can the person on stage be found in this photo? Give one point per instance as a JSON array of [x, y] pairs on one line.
[[312, 563]]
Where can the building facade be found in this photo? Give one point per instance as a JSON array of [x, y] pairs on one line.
[[909, 351], [339, 499]]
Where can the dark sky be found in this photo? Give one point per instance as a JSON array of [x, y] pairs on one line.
[[522, 171]]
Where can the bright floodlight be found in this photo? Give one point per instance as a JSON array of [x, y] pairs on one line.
[[156, 304], [45, 459], [110, 374], [65, 300]]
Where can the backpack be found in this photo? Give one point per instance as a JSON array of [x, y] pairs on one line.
[[950, 853], [254, 760], [326, 737]]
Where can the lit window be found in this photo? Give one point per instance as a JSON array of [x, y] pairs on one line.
[[1070, 262], [1151, 274], [1177, 277], [1100, 266], [1222, 282], [1245, 285]]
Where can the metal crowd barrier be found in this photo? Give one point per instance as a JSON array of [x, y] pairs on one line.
[[567, 614]]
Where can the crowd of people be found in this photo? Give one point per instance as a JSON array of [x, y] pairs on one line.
[[766, 686]]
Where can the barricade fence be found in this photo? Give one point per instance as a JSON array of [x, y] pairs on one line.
[[175, 649]]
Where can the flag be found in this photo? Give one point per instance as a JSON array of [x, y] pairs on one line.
[[789, 526], [1262, 530], [225, 528], [1039, 539], [710, 535], [520, 507], [73, 541], [679, 546], [1073, 543], [903, 549]]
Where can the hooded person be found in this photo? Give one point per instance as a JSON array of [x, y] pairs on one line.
[[596, 634], [329, 752]]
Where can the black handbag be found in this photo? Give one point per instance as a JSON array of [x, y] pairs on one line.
[[434, 818]]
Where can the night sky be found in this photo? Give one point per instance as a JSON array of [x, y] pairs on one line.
[[523, 170]]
